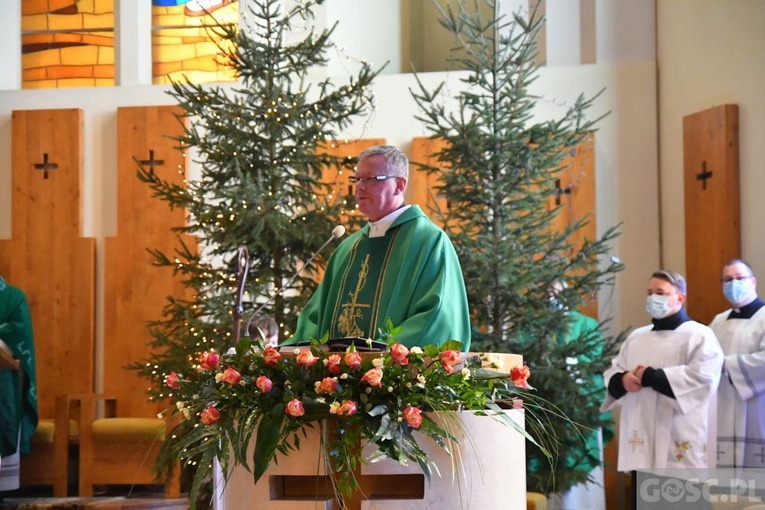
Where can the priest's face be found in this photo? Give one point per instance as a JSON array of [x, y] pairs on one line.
[[377, 199], [662, 287]]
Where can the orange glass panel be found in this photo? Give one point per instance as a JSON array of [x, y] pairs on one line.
[[67, 43], [184, 41]]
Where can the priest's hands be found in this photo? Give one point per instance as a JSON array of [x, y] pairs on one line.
[[631, 380]]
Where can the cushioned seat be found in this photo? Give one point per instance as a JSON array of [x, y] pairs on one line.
[[132, 430], [118, 450], [45, 431], [49, 461], [536, 501]]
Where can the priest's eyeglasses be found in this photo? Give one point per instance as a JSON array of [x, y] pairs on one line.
[[370, 181], [739, 278]]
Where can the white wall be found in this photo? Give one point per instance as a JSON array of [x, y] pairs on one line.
[[712, 52]]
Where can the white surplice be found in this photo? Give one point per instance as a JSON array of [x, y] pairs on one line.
[[741, 405], [657, 431]]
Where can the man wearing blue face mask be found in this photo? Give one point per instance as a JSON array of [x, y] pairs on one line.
[[741, 401], [663, 379]]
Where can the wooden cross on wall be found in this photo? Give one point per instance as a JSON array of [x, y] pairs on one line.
[[45, 165], [151, 162], [704, 175], [558, 192]]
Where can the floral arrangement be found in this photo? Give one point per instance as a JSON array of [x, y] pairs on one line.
[[382, 398]]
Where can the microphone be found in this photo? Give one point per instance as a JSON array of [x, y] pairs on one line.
[[337, 232]]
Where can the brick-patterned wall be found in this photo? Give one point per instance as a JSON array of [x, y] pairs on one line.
[[67, 43], [184, 46]]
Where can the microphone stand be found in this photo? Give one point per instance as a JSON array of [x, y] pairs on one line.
[[242, 266]]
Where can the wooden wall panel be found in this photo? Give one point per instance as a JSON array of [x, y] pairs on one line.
[[422, 185], [47, 257], [712, 210], [135, 290]]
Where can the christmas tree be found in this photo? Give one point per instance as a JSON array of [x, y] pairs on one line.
[[497, 171], [259, 146]]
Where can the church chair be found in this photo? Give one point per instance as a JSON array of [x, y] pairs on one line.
[[120, 450], [50, 461], [536, 501]]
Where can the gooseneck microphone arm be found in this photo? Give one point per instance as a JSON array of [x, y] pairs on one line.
[[337, 232], [242, 266]]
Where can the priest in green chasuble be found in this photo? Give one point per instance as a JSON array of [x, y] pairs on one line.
[[18, 395], [400, 266]]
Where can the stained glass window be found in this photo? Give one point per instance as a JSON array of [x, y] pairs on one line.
[[67, 43], [184, 39]]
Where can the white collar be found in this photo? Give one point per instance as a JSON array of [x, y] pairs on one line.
[[380, 227]]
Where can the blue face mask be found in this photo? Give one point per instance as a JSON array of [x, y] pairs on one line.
[[657, 306], [736, 291]]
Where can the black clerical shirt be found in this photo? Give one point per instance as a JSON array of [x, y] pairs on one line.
[[652, 377]]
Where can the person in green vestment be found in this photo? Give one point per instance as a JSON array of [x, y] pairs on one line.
[[586, 456], [400, 266], [18, 398]]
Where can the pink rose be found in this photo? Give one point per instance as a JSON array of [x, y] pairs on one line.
[[333, 364], [352, 359], [295, 408], [327, 386], [271, 356], [412, 416], [210, 415], [348, 408], [449, 359], [306, 358], [373, 377], [399, 354], [173, 381], [520, 375], [208, 360], [231, 376], [264, 384]]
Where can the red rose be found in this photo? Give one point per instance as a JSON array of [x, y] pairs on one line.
[[412, 416], [352, 359], [399, 353], [271, 356], [264, 384], [173, 381], [210, 415], [208, 360], [520, 375], [449, 359], [333, 364], [306, 358], [295, 408], [373, 377], [327, 386], [348, 408], [231, 376]]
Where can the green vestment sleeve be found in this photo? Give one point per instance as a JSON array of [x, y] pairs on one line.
[[18, 398], [411, 276]]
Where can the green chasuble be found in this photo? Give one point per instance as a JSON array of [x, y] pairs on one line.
[[411, 275], [579, 326], [18, 399]]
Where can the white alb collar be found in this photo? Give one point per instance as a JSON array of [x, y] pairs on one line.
[[381, 226]]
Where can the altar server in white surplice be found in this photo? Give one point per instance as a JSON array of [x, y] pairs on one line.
[[664, 378], [741, 397]]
